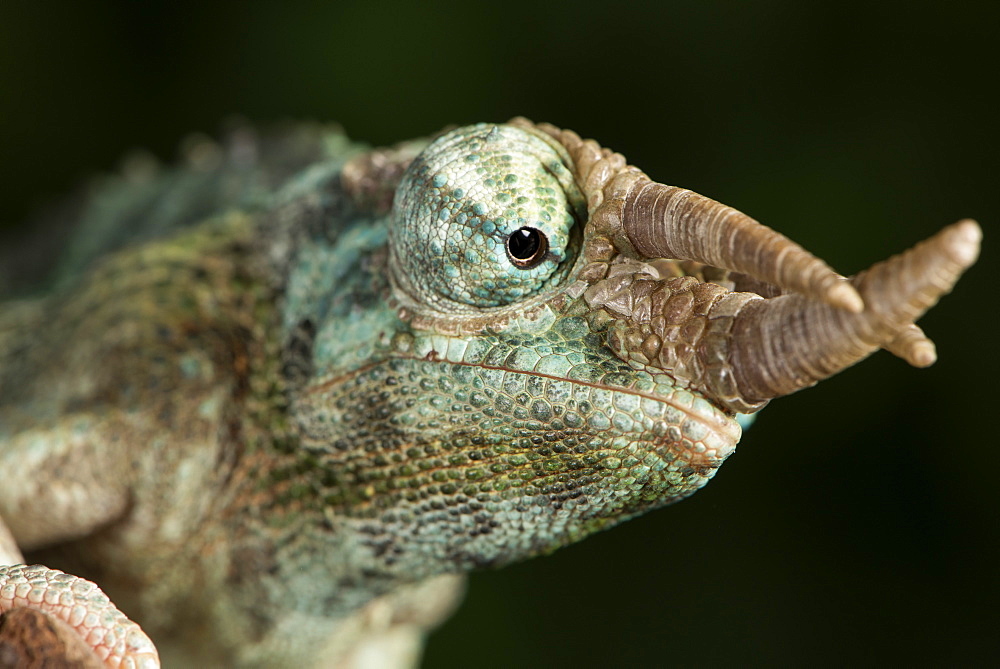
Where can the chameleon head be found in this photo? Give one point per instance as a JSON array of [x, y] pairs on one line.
[[576, 342]]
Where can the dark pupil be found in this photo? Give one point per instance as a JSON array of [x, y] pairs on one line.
[[524, 243]]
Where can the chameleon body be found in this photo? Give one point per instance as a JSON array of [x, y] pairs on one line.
[[277, 401]]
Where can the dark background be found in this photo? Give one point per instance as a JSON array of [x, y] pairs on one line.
[[858, 521]]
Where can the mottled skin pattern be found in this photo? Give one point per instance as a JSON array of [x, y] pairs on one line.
[[271, 417]]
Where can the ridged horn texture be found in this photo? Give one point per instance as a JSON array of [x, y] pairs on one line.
[[668, 222], [650, 220], [783, 344], [742, 349], [913, 346]]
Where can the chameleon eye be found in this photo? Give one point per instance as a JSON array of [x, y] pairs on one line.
[[486, 216], [526, 247]]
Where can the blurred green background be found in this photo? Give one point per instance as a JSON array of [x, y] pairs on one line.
[[858, 522]]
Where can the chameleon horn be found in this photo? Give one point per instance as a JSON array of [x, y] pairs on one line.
[[913, 346], [668, 222], [779, 345], [660, 221]]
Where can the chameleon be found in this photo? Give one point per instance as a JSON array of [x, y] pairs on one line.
[[277, 401]]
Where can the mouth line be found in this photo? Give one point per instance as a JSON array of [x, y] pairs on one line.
[[434, 357]]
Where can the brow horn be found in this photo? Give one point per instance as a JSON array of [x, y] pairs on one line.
[[668, 222], [660, 221]]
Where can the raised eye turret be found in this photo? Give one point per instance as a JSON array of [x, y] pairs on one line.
[[484, 218]]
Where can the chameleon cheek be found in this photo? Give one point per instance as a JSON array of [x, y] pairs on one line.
[[534, 478], [468, 465]]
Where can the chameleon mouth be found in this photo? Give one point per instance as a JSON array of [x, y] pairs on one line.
[[516, 417], [692, 432], [677, 427]]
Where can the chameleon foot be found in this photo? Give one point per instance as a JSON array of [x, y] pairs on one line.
[[30, 639], [78, 618]]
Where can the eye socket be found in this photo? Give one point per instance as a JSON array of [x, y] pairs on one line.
[[526, 247]]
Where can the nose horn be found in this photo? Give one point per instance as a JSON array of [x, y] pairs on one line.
[[783, 344], [742, 349]]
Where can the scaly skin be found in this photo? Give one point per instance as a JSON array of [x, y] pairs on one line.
[[278, 427]]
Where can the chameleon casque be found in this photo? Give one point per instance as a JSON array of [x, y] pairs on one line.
[[277, 401]]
